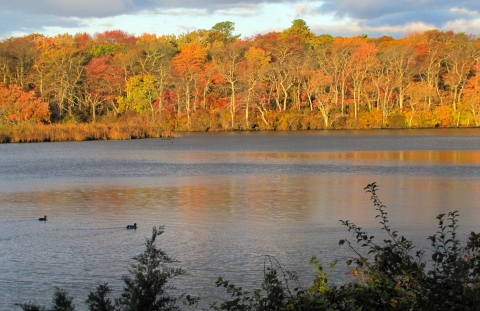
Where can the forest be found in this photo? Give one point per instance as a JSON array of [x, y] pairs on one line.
[[114, 85]]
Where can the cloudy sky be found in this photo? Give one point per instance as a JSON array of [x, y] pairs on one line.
[[336, 17]]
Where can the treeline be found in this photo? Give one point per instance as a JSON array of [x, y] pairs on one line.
[[388, 275], [212, 80]]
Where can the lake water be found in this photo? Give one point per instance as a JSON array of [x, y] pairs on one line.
[[226, 199]]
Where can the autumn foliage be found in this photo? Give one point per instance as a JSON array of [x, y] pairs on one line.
[[17, 106], [212, 80]]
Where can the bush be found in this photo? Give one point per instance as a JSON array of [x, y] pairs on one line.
[[61, 302], [98, 301], [396, 279], [390, 277], [146, 288]]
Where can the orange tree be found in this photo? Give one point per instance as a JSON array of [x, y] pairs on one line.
[[17, 106]]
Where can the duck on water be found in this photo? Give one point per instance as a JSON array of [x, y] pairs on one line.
[[44, 218], [134, 226]]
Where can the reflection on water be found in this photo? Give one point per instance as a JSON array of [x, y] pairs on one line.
[[448, 157], [225, 199]]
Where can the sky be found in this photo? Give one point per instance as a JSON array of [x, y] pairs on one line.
[[346, 18]]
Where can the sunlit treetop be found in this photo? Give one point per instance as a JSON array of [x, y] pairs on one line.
[[226, 30]]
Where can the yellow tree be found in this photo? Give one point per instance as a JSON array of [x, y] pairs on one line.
[[363, 61], [460, 59], [59, 72], [335, 61], [141, 95], [430, 54], [17, 56], [187, 64], [155, 55], [253, 69], [398, 59], [227, 59], [321, 85], [201, 37], [472, 94]]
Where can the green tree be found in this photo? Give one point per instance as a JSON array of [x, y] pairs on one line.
[[30, 307], [61, 302], [226, 29], [98, 301], [147, 289], [300, 30]]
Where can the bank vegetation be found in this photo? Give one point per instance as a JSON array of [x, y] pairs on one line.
[[114, 85]]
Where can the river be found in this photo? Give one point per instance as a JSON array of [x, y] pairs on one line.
[[225, 199]]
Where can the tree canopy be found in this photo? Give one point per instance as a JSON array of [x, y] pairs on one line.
[[210, 79]]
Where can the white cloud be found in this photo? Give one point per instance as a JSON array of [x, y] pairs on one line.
[[303, 10], [463, 25], [181, 12], [337, 17], [463, 11], [68, 8], [355, 28], [237, 12]]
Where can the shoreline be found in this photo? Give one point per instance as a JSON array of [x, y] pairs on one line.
[[28, 133]]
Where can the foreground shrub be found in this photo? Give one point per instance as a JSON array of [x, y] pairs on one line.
[[98, 300], [146, 287], [391, 276], [396, 279], [61, 302]]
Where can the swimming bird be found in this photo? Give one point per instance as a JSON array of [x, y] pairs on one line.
[[132, 227], [43, 219]]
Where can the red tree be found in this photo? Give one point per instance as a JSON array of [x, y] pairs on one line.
[[17, 106]]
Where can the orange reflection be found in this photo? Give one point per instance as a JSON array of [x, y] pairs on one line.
[[432, 156]]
